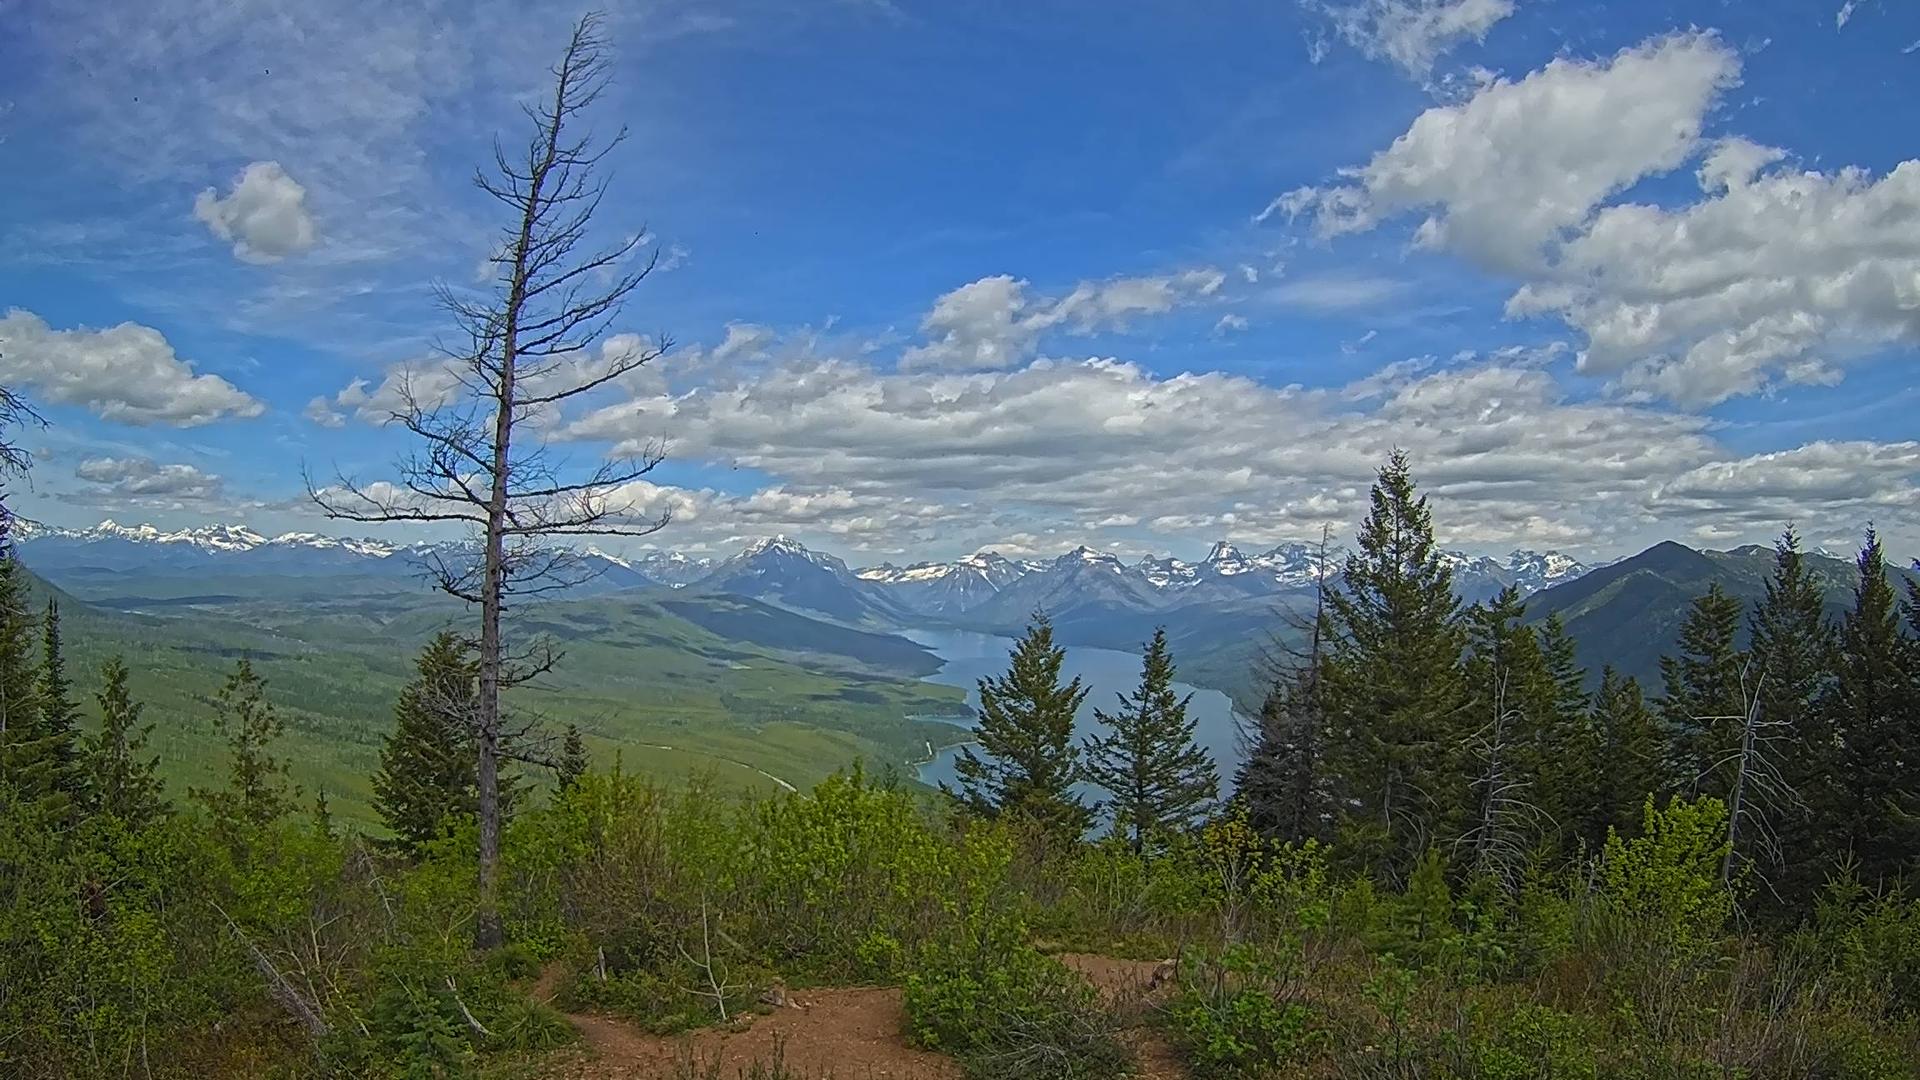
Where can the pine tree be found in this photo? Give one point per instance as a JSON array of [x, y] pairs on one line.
[[1561, 754], [1025, 732], [1704, 702], [1793, 656], [1628, 759], [59, 716], [573, 759], [427, 766], [258, 792], [1158, 775], [1283, 780], [119, 782], [30, 764], [1874, 710], [1395, 684]]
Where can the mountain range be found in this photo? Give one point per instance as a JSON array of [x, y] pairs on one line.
[[1220, 613], [981, 588]]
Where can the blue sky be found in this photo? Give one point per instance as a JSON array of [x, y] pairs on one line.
[[1021, 276]]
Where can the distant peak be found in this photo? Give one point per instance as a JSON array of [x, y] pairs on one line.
[[777, 543], [1223, 552]]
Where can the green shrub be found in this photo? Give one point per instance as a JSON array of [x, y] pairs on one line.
[[1232, 1017], [1534, 1042], [419, 1034], [1847, 1046], [979, 991], [1023, 1015]]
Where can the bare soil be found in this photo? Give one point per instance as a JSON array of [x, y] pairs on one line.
[[829, 1034]]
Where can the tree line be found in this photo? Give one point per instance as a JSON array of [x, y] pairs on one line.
[[1410, 724]]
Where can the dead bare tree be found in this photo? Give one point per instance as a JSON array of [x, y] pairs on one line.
[[524, 356], [1760, 792], [1504, 815]]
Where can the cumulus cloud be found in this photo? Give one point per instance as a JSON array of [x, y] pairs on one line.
[[127, 373], [1520, 163], [264, 214], [1411, 34], [143, 482], [1775, 275], [995, 323], [1509, 456]]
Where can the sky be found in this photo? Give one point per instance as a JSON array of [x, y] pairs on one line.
[[941, 277]]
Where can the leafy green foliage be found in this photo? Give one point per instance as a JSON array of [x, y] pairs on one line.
[[1235, 1014], [427, 764], [121, 781]]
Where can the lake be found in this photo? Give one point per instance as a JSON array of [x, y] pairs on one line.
[[1106, 672]]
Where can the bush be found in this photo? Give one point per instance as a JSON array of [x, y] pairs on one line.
[[979, 991], [1534, 1042], [1233, 1017], [1023, 1015]]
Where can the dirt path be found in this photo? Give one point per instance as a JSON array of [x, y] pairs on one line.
[[830, 1034], [1133, 988], [845, 1034]]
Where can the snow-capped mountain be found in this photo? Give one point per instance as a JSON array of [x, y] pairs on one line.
[[947, 588], [986, 588], [110, 547], [784, 571]]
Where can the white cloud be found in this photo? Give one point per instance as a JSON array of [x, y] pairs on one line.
[[1509, 457], [1519, 163], [1781, 275], [137, 479], [322, 412], [1411, 34], [1776, 274], [127, 373], [993, 323], [1230, 324], [1335, 292], [264, 214]]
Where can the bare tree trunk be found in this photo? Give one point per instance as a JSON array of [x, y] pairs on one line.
[[528, 353]]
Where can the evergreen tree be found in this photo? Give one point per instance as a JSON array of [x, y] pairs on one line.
[[1158, 775], [427, 766], [1395, 684], [30, 764], [1793, 655], [1875, 711], [1628, 759], [1025, 732], [258, 792], [323, 815], [1705, 701], [1562, 751], [119, 782], [1283, 780], [573, 759], [59, 715]]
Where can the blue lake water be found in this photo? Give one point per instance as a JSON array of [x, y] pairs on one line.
[[1106, 672]]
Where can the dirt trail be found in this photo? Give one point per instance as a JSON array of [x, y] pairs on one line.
[[1131, 987], [846, 1034], [829, 1034]]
